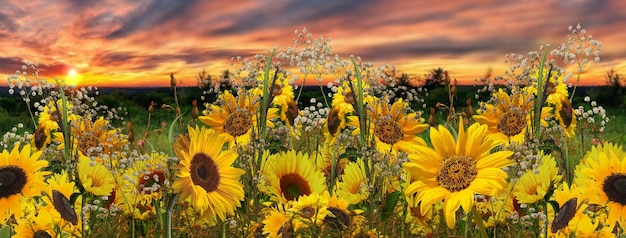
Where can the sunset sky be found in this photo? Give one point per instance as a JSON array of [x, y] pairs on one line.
[[136, 43]]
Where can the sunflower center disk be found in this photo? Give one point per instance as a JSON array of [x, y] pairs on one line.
[[149, 180], [276, 90], [512, 122], [87, 142], [350, 98], [614, 187], [237, 123], [339, 218], [42, 234], [457, 172], [388, 131], [293, 186], [12, 180], [204, 172]]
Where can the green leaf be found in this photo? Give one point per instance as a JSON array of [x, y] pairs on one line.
[[5, 231], [390, 203]]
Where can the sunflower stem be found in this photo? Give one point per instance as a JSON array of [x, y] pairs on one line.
[[539, 101], [64, 122], [170, 208], [360, 110], [479, 222]]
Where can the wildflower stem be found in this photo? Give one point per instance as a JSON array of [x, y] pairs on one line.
[[262, 121], [170, 208]]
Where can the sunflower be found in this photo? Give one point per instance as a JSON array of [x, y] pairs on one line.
[[282, 97], [95, 177], [339, 217], [292, 174], [566, 116], [62, 212], [40, 225], [277, 224], [332, 150], [145, 178], [534, 185], [237, 117], [92, 138], [605, 182], [394, 128], [573, 218], [508, 117], [456, 170], [20, 176], [608, 148], [352, 187], [205, 174], [308, 210], [344, 101]]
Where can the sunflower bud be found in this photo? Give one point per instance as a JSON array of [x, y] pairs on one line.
[[432, 121], [151, 107], [195, 113], [172, 81]]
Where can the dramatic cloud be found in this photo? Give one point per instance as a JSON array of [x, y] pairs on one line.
[[137, 43]]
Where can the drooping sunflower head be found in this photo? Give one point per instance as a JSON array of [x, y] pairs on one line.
[[566, 115], [457, 169], [292, 174], [281, 94], [277, 223], [205, 174], [20, 176]]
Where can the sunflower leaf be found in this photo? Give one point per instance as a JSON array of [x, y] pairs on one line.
[[390, 203]]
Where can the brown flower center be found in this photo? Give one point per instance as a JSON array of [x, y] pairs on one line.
[[512, 122], [388, 131], [238, 123], [149, 180], [332, 121], [12, 180], [293, 186], [41, 234], [457, 172], [614, 187], [64, 207], [566, 113], [204, 172], [307, 212]]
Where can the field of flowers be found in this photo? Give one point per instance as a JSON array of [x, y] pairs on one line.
[[248, 160]]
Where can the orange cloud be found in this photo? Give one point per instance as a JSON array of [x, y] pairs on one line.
[[139, 43]]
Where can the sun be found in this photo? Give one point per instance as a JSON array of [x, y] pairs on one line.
[[72, 73], [73, 77]]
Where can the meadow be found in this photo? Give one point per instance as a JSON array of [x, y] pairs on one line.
[[250, 154]]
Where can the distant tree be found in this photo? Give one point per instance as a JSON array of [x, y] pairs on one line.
[[614, 79], [404, 80], [436, 78]]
